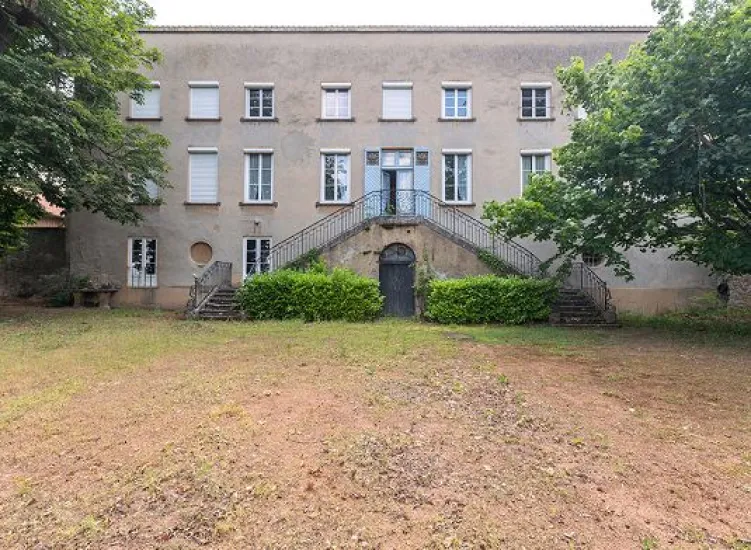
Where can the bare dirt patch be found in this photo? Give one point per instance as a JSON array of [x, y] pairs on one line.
[[135, 430]]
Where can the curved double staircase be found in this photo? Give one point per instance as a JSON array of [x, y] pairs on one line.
[[584, 298]]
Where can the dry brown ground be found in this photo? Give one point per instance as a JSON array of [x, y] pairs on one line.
[[138, 430]]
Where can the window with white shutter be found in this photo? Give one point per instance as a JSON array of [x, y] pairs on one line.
[[204, 100], [204, 175], [149, 106], [336, 101], [397, 101]]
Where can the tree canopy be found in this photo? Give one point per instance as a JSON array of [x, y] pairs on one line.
[[64, 67], [663, 157]]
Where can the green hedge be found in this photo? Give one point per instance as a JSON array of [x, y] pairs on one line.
[[490, 299], [312, 296]]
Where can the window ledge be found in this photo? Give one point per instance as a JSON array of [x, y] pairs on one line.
[[259, 203], [332, 203], [324, 119], [461, 204], [467, 119], [258, 119], [536, 119], [189, 203], [144, 119], [381, 119], [203, 119]]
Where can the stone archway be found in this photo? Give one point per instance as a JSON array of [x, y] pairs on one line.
[[396, 276]]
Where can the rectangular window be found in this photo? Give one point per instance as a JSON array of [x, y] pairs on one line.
[[150, 106], [336, 102], [335, 177], [259, 101], [256, 255], [457, 177], [392, 158], [204, 100], [203, 175], [397, 100], [534, 163], [152, 189], [457, 102], [259, 176], [535, 102], [141, 262]]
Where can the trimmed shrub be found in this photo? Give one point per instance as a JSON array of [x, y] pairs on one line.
[[490, 299], [312, 296]]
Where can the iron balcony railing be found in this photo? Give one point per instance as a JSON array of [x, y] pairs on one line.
[[583, 278], [217, 275], [385, 206]]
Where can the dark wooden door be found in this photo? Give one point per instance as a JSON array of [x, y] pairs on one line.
[[397, 279]]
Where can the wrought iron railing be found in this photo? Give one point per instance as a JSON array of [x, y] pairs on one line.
[[404, 204], [583, 278], [217, 275]]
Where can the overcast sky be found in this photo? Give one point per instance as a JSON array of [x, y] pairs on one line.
[[405, 12]]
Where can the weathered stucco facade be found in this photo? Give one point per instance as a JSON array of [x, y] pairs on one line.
[[494, 62]]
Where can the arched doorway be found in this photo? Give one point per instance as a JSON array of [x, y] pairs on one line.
[[396, 275]]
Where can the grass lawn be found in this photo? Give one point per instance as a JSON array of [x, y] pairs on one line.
[[133, 429]]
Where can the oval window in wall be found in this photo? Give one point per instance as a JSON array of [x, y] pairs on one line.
[[201, 253]]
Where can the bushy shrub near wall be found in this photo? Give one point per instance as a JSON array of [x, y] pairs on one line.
[[490, 299], [312, 296]]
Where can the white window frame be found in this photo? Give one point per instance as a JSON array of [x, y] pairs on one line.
[[263, 87], [246, 164], [391, 85], [155, 85], [202, 151], [337, 88], [456, 87], [142, 274], [339, 153], [258, 248], [534, 153], [203, 84], [456, 153], [534, 86]]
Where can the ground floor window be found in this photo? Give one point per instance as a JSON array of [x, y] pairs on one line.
[[141, 262], [256, 255]]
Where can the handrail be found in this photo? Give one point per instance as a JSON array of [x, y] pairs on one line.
[[379, 205], [583, 278], [217, 275]]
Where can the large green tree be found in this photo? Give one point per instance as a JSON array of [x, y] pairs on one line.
[[663, 157], [64, 66]]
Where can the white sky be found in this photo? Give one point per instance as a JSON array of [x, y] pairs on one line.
[[405, 12]]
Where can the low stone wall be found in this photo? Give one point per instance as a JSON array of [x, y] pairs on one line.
[[22, 273], [739, 294]]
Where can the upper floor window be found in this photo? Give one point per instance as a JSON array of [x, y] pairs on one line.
[[204, 100], [259, 100], [536, 100], [335, 176], [457, 100], [256, 255], [203, 168], [336, 101], [259, 175], [534, 162], [141, 262], [457, 176], [397, 101], [149, 106]]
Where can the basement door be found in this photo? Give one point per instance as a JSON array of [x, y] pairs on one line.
[[396, 276]]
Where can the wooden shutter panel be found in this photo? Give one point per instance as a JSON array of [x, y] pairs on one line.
[[372, 182], [422, 181], [204, 172], [150, 107], [204, 102], [397, 103]]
